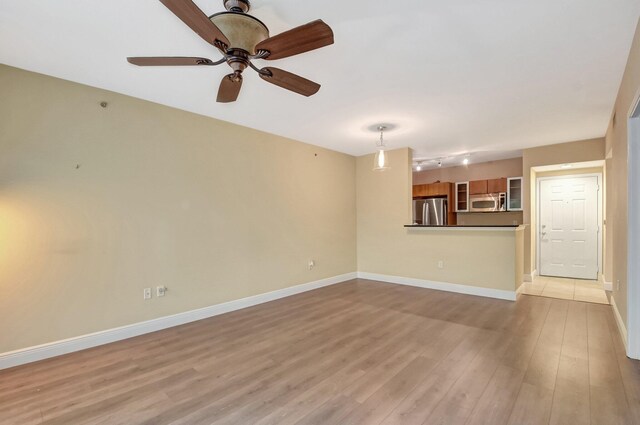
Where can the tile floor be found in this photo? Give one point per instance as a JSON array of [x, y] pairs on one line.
[[569, 289]]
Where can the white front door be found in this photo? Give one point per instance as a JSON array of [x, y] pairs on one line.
[[568, 227]]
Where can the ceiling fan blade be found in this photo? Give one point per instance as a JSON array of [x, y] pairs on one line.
[[289, 81], [169, 61], [229, 88], [195, 18], [298, 40]]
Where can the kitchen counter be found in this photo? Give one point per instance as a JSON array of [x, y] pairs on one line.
[[482, 226], [497, 228]]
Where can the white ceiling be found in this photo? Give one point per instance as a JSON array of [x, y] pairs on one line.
[[457, 160], [573, 166], [453, 76]]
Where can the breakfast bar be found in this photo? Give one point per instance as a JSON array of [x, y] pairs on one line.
[[479, 260]]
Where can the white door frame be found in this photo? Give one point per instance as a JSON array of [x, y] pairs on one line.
[[633, 230], [600, 215]]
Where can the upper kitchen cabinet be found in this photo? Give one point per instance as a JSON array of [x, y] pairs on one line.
[[462, 197], [431, 190], [478, 187], [514, 194], [420, 190], [497, 185]]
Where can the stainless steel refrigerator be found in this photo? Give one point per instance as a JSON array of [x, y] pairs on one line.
[[431, 212]]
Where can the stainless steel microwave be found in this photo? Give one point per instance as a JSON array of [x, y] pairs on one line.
[[489, 202]]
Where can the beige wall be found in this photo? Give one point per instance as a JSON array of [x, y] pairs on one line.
[[96, 204], [581, 151], [616, 145], [480, 171], [475, 258], [608, 225], [488, 219], [519, 271]]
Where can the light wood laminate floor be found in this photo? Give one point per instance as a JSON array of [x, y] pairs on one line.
[[591, 291], [360, 352]]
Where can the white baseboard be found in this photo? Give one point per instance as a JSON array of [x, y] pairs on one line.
[[57, 348], [608, 286], [442, 286], [620, 323]]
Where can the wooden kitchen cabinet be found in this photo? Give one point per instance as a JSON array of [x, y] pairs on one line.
[[497, 185], [419, 190], [478, 187], [433, 189], [452, 216], [441, 189]]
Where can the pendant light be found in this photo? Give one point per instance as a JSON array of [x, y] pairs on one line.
[[381, 160]]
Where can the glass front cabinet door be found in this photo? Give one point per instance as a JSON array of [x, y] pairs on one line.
[[514, 194], [462, 197]]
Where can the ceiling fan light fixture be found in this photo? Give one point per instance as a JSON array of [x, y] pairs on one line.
[[243, 31]]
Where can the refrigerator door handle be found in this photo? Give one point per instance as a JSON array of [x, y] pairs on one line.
[[425, 214], [445, 211]]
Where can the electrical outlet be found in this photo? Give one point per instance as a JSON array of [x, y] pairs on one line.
[[311, 264], [161, 291], [147, 293], [441, 264]]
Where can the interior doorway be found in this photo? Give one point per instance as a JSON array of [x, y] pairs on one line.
[[569, 216]]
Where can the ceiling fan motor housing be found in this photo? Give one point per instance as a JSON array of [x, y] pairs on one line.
[[241, 6], [243, 31]]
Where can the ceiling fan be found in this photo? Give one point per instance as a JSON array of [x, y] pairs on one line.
[[241, 38]]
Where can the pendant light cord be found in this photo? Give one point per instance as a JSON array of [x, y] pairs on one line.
[[381, 139]]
